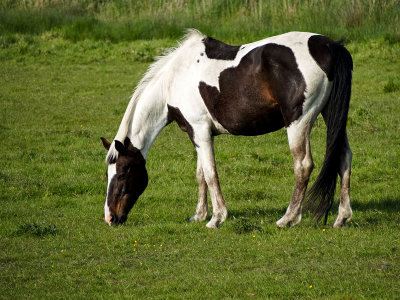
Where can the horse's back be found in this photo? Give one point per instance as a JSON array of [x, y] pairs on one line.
[[268, 85]]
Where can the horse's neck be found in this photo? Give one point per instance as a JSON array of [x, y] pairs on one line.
[[149, 118]]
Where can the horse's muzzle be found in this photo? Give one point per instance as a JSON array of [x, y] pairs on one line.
[[114, 220]]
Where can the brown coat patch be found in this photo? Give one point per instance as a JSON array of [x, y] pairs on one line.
[[320, 49], [174, 114], [218, 50], [262, 94]]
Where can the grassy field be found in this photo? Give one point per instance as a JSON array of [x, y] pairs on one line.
[[235, 20], [59, 95]]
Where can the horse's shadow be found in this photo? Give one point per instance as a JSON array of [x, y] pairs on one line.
[[384, 205], [389, 205], [270, 213]]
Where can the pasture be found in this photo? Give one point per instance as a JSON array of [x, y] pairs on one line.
[[58, 96]]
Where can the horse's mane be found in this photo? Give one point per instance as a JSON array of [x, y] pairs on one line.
[[153, 70]]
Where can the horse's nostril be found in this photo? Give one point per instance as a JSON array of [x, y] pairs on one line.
[[113, 220], [109, 220]]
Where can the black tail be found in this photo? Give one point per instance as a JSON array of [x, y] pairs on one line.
[[321, 195]]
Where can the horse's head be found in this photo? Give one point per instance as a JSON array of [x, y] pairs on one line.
[[127, 179]]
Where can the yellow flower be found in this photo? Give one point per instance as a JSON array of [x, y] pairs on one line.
[[310, 286], [323, 229]]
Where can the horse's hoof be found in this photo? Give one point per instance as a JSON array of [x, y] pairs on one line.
[[281, 223], [213, 224], [197, 218], [338, 224]]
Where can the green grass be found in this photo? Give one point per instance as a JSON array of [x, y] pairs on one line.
[[58, 96], [234, 20], [393, 85]]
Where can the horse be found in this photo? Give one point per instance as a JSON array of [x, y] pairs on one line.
[[209, 88]]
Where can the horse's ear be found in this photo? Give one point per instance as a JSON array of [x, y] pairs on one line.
[[106, 143], [129, 148], [120, 147], [127, 142]]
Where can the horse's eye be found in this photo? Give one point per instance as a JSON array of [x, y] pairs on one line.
[[124, 190]]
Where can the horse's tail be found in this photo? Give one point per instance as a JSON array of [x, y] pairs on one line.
[[321, 195]]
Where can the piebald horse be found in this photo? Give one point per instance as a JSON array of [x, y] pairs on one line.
[[211, 88]]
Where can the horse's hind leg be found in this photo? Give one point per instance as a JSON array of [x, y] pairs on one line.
[[202, 208], [205, 151], [299, 143], [345, 212]]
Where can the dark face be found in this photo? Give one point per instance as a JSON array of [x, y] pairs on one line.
[[127, 179]]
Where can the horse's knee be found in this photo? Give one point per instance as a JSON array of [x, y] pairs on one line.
[[200, 177], [308, 167], [303, 169], [211, 177]]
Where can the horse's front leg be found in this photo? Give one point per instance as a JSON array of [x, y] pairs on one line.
[[205, 152], [202, 208]]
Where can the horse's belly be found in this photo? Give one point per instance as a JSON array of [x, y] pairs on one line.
[[247, 111]]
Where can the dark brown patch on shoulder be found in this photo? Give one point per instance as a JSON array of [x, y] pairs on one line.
[[320, 49], [262, 94], [218, 50], [174, 114]]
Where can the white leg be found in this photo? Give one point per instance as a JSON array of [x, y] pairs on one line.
[[202, 208], [299, 143], [345, 212], [205, 151]]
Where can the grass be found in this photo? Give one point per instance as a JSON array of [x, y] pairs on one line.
[[37, 229], [233, 20], [58, 96], [393, 85], [54, 107]]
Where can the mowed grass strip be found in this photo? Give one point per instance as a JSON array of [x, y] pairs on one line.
[[55, 104]]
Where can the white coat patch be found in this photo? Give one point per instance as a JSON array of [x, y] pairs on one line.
[[111, 172]]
